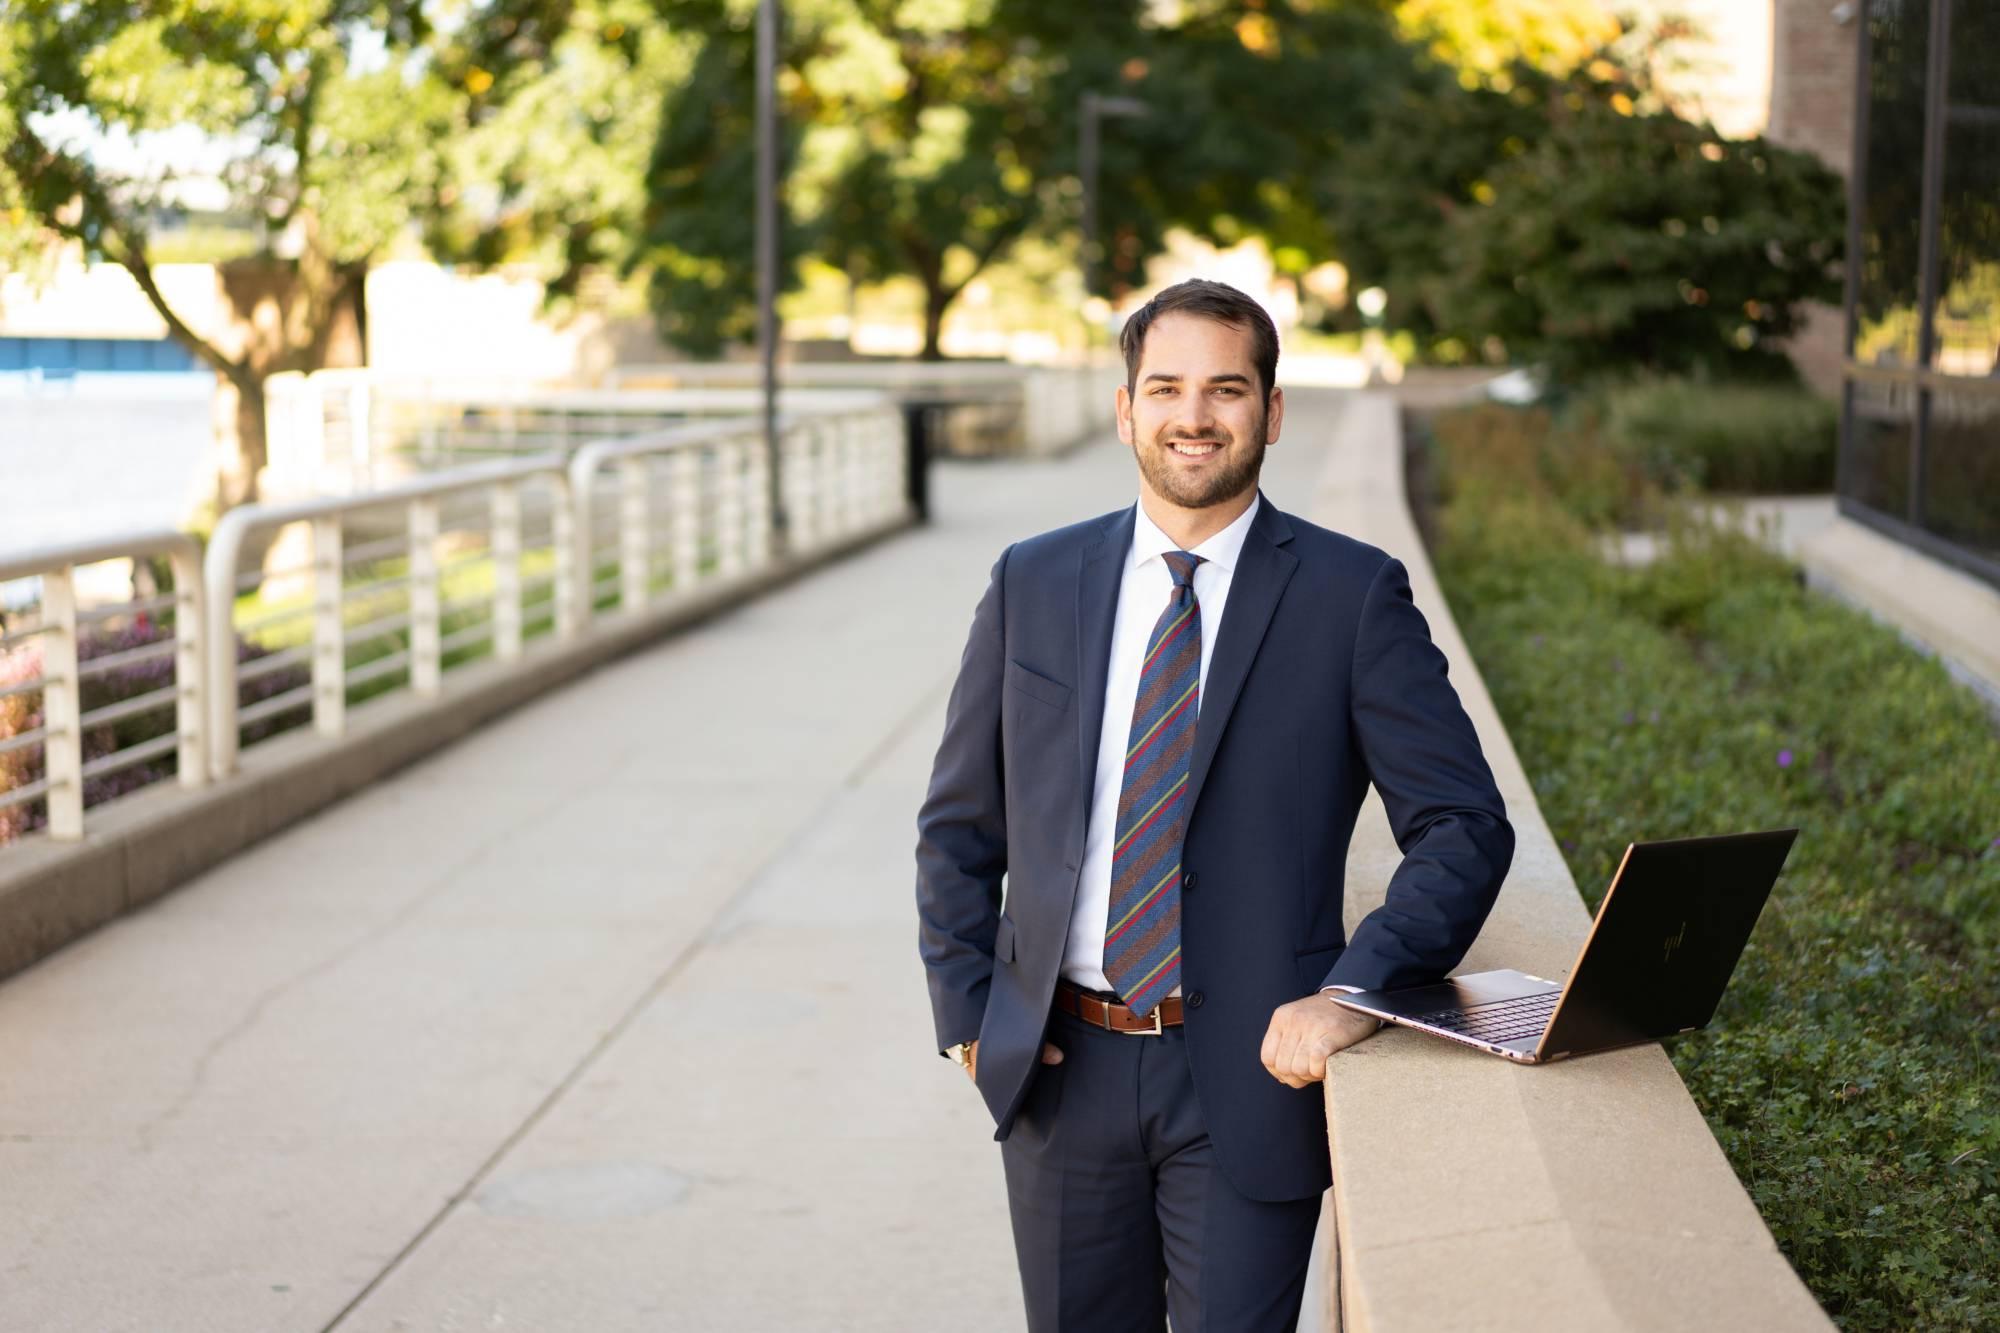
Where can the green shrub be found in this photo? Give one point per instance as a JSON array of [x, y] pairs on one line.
[[1851, 1073], [1555, 462], [1725, 437]]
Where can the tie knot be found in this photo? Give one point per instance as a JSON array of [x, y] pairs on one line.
[[1181, 565]]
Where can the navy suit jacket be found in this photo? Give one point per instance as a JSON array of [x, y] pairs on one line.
[[1323, 679]]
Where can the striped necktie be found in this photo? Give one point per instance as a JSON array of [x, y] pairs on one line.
[[1142, 933]]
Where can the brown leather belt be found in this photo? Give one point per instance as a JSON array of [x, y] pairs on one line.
[[1115, 1017]]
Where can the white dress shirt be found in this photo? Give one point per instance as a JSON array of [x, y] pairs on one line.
[[1142, 595]]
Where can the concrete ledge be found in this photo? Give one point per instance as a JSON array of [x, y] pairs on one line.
[[150, 842], [1943, 611], [1473, 1193]]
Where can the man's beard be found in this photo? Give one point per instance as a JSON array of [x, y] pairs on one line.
[[1231, 476]]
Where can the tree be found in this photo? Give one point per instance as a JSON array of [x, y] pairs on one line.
[[1252, 103], [337, 118], [926, 139], [554, 172], [697, 220], [931, 137], [1631, 241], [1582, 223], [1480, 38]]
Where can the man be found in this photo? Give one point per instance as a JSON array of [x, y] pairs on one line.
[[1169, 792]]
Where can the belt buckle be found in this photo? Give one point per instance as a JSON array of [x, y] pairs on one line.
[[1157, 1030]]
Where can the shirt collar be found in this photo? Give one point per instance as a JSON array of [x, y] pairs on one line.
[[1221, 550]]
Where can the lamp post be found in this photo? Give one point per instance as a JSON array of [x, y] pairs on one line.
[[1094, 108], [767, 256]]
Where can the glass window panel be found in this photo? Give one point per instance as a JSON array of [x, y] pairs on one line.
[[1967, 320], [1876, 470], [1962, 469], [1886, 313]]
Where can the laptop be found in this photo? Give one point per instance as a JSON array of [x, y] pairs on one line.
[[1666, 938]]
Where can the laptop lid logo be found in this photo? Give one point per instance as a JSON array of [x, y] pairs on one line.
[[1674, 942]]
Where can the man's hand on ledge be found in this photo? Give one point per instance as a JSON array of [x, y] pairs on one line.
[[1305, 1032], [1050, 1056]]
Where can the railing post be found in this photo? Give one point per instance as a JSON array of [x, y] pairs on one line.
[[831, 446], [62, 706], [329, 661], [798, 484], [687, 536], [507, 571], [218, 573], [635, 543], [826, 477], [847, 483], [865, 469], [729, 526], [575, 598], [191, 648], [757, 504], [891, 458], [426, 648]]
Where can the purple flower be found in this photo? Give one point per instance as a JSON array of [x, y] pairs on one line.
[[1996, 842], [1537, 639], [1654, 715], [1784, 759], [1630, 717]]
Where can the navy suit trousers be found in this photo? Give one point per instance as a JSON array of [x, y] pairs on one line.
[[1122, 1220]]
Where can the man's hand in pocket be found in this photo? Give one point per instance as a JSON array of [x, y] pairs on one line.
[[1050, 1056]]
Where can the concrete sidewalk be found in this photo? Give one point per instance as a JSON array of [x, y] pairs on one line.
[[609, 1017]]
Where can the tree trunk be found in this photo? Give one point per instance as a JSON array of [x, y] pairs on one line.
[[280, 316], [241, 448], [936, 301]]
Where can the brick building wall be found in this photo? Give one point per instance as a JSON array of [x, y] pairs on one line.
[[1813, 49]]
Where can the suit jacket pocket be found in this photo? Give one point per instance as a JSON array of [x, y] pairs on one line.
[[1003, 941], [1037, 686]]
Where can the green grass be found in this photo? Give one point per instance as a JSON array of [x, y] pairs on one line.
[[1851, 1073]]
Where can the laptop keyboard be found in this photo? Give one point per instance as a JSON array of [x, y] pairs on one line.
[[1502, 1020]]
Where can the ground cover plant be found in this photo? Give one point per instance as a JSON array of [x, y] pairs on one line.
[[1759, 438], [1852, 1074]]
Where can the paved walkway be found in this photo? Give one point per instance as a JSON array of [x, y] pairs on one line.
[[609, 1017]]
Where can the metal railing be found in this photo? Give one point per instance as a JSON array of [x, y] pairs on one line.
[[991, 407], [341, 431], [301, 608], [57, 630]]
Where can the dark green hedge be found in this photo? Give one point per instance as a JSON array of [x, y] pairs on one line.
[[1725, 437], [1853, 1073]]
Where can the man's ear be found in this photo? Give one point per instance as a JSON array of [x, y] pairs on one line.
[[1122, 406], [1274, 415]]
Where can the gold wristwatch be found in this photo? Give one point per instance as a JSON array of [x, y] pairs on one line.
[[962, 1053]]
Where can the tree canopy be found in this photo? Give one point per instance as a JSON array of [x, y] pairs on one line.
[[927, 138], [1577, 220], [327, 126]]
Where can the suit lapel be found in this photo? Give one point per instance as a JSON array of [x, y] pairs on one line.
[[1262, 572], [1100, 572]]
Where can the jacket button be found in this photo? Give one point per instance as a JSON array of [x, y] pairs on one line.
[[1194, 999], [1187, 880]]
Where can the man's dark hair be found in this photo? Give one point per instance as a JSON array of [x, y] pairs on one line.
[[1210, 300]]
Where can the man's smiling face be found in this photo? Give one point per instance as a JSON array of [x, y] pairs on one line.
[[1196, 418]]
